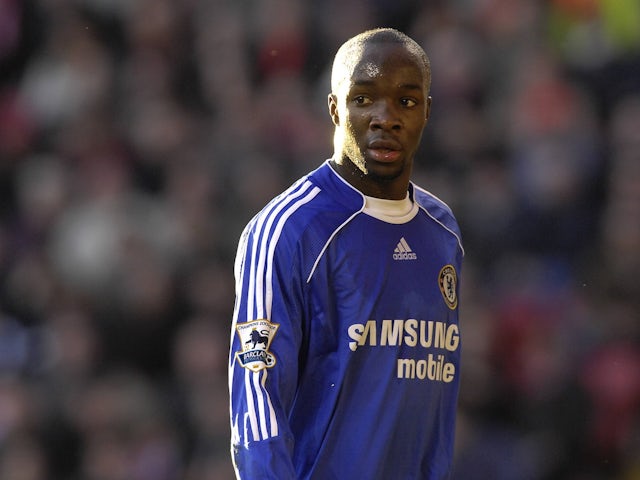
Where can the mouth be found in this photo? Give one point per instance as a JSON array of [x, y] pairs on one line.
[[384, 150]]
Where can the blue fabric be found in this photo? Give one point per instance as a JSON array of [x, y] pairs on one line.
[[345, 349]]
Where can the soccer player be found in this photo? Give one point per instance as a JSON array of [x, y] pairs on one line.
[[345, 346]]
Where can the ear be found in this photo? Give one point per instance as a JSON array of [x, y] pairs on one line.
[[333, 109], [428, 112]]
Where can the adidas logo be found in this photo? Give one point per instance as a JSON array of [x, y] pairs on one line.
[[403, 251]]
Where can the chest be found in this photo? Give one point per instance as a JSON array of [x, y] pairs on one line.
[[386, 292], [377, 270]]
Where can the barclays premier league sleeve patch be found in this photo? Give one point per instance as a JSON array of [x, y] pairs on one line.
[[255, 338]]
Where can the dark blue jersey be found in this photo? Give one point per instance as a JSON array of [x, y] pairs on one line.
[[345, 348]]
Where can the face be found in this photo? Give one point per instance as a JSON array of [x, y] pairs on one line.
[[380, 110]]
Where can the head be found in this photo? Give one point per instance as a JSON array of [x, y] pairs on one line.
[[379, 104]]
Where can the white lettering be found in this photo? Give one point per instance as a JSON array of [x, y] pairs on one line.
[[426, 334], [355, 332], [411, 336], [405, 256], [453, 338], [391, 332], [440, 334], [432, 368], [426, 341], [359, 334]]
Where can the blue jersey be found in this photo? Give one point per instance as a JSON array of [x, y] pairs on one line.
[[345, 342]]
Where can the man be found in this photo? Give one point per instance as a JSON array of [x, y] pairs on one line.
[[345, 344]]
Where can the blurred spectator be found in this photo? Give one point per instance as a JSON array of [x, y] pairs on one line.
[[138, 137]]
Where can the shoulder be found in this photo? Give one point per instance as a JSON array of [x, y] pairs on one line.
[[438, 210], [306, 214]]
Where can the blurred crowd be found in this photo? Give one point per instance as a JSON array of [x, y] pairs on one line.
[[137, 137]]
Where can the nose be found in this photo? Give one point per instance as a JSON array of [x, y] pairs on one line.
[[385, 117]]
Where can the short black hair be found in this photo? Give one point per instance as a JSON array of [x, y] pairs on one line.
[[377, 35]]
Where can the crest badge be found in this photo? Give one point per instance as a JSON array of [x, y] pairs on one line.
[[255, 338], [448, 282]]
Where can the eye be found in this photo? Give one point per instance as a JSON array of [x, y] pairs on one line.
[[361, 100], [408, 102]]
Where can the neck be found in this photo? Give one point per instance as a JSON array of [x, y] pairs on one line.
[[394, 188]]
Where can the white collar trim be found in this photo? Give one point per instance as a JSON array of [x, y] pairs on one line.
[[390, 211]]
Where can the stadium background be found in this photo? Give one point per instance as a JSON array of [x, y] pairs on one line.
[[137, 138]]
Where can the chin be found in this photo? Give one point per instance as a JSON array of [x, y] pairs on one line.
[[389, 171], [385, 174]]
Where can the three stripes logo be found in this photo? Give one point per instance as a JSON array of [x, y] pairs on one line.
[[403, 251]]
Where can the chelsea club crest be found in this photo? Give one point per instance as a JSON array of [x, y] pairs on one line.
[[448, 281]]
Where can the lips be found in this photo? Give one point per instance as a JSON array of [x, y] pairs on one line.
[[384, 150], [384, 144]]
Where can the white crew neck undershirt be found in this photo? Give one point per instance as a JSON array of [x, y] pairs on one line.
[[390, 211]]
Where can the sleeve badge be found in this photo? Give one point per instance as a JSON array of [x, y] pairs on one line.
[[448, 283], [255, 339]]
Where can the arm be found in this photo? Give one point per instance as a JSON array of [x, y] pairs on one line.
[[263, 357]]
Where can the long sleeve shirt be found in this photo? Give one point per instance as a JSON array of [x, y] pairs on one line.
[[345, 344]]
